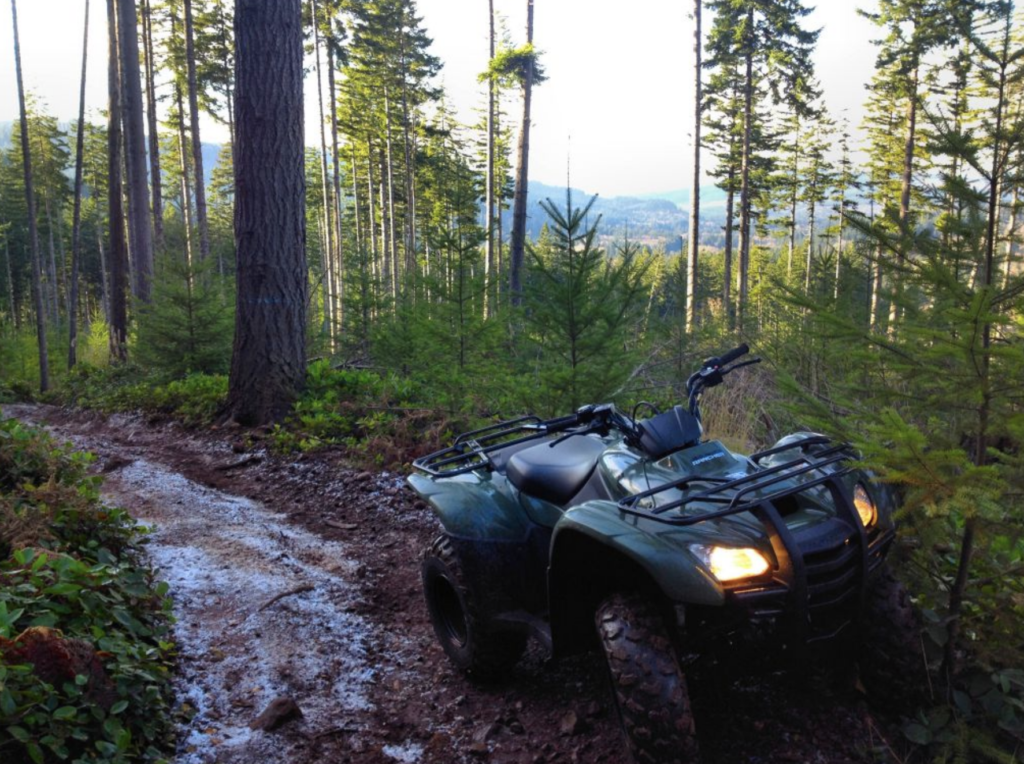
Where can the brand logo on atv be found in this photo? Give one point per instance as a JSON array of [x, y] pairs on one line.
[[708, 458]]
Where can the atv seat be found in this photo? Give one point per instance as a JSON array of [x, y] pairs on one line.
[[555, 474]]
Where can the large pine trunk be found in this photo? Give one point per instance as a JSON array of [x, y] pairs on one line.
[[140, 226], [33, 231], [115, 208], [76, 224], [268, 362], [518, 244]]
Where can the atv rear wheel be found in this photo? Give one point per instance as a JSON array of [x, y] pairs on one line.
[[648, 686], [483, 654], [892, 663]]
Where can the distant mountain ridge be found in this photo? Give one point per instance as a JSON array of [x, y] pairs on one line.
[[655, 219]]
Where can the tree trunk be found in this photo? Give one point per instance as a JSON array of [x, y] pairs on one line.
[[10, 284], [730, 201], [118, 244], [958, 590], [518, 244], [186, 185], [793, 199], [810, 247], [328, 251], [371, 216], [356, 209], [693, 248], [30, 202], [155, 180], [393, 246], [489, 264], [268, 363], [410, 174], [76, 224], [140, 226], [1010, 234], [339, 264], [52, 267], [748, 110], [908, 177], [104, 288], [197, 144]]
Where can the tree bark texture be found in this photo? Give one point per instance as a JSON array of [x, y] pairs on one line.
[[76, 224], [115, 208], [140, 222], [268, 363], [518, 245], [197, 144], [30, 202]]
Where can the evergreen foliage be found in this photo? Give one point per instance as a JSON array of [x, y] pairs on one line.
[[580, 310], [187, 327]]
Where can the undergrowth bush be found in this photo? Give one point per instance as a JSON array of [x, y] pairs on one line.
[[194, 400], [84, 650], [375, 416]]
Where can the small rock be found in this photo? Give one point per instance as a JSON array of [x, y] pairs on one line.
[[593, 710], [487, 732], [570, 724], [478, 749], [280, 711]]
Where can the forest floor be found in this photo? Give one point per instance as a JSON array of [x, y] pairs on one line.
[[298, 577]]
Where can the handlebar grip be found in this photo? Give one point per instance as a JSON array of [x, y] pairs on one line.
[[733, 354], [562, 423]]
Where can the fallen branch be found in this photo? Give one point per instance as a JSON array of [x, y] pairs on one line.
[[289, 593], [239, 463]]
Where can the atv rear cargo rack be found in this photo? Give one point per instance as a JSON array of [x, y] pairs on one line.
[[731, 492], [471, 450]]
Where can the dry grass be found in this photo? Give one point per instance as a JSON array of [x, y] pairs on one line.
[[737, 412], [20, 527]]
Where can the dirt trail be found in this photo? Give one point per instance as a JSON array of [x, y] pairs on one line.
[[350, 641]]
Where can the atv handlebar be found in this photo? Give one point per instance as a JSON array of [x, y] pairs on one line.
[[733, 354], [712, 373]]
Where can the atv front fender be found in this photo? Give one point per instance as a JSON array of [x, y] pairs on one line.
[[473, 509], [659, 550]]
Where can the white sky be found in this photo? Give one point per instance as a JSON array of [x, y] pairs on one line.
[[617, 98]]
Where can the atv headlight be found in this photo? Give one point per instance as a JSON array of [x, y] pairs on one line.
[[732, 563], [865, 506]]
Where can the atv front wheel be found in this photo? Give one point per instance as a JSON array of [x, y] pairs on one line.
[[455, 613], [648, 686], [892, 663]]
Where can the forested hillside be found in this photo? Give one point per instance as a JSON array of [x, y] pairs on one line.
[[404, 278]]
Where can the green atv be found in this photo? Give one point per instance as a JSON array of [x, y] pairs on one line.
[[639, 536]]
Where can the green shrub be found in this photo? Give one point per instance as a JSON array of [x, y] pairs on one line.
[[71, 573]]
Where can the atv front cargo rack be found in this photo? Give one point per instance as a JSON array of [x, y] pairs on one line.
[[733, 493], [471, 450]]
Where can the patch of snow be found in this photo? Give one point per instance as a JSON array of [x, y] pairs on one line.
[[409, 753], [225, 558]]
